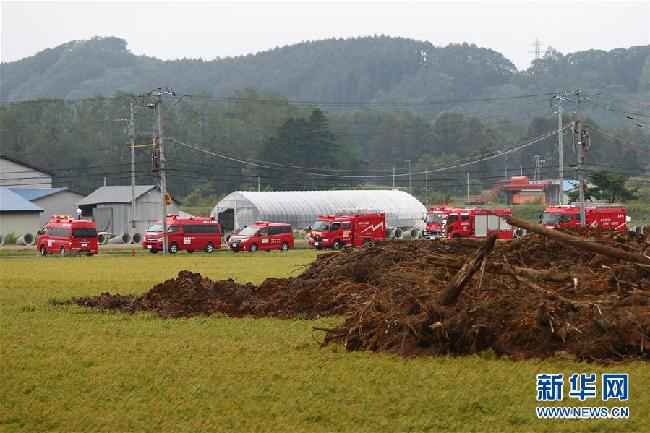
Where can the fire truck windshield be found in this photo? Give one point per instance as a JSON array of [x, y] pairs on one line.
[[248, 231], [321, 226], [551, 219], [159, 228], [84, 232], [433, 218], [155, 228]]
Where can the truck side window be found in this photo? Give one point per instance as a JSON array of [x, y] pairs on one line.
[[347, 226], [335, 227], [464, 217], [263, 232], [451, 219], [566, 218]]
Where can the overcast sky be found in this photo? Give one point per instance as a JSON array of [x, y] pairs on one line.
[[209, 29]]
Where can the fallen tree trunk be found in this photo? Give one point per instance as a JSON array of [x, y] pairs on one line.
[[450, 295], [585, 244]]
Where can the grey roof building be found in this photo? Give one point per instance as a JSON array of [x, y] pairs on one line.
[[17, 215], [14, 172], [110, 207], [54, 201]]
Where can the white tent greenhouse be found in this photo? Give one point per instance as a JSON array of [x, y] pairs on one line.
[[302, 208]]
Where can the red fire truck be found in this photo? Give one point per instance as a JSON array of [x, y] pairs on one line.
[[354, 229], [64, 235], [476, 223], [263, 235], [190, 234], [433, 222], [603, 217]]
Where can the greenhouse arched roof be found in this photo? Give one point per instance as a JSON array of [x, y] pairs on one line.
[[301, 208]]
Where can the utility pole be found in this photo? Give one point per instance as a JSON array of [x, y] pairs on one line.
[[410, 189], [132, 140], [537, 165], [259, 185], [581, 159], [468, 187], [560, 149], [163, 174], [159, 145], [426, 185], [538, 49], [393, 177]]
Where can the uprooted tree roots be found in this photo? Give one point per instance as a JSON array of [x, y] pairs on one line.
[[532, 297]]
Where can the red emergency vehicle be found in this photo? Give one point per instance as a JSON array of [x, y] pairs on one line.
[[64, 235], [190, 234], [263, 235], [433, 222], [476, 223], [602, 217], [337, 231]]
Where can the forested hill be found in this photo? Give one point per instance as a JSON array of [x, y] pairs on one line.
[[368, 105], [368, 69]]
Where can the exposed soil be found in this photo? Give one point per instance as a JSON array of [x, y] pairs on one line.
[[534, 297]]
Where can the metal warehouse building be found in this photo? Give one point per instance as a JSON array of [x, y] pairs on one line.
[[302, 208], [110, 207]]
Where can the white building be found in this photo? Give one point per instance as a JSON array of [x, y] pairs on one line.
[[302, 208]]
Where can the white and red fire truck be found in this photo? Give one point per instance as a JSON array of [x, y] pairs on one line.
[[453, 223], [602, 217], [353, 229]]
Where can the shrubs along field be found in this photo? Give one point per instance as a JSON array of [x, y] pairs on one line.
[[67, 368]]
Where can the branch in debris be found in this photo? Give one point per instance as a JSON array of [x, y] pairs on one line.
[[584, 244], [450, 295], [535, 274]]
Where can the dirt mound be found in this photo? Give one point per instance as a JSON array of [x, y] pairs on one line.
[[531, 297]]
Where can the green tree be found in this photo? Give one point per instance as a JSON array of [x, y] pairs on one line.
[[607, 186]]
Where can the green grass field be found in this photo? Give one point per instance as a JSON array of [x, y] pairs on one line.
[[70, 369]]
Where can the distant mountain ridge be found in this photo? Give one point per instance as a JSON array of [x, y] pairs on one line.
[[365, 69]]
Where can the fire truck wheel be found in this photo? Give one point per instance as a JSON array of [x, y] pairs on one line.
[[285, 246], [42, 250], [190, 251], [210, 248], [253, 248], [367, 243], [173, 248], [152, 251], [62, 251], [337, 245]]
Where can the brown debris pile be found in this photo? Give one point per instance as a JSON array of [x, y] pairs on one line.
[[532, 297]]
